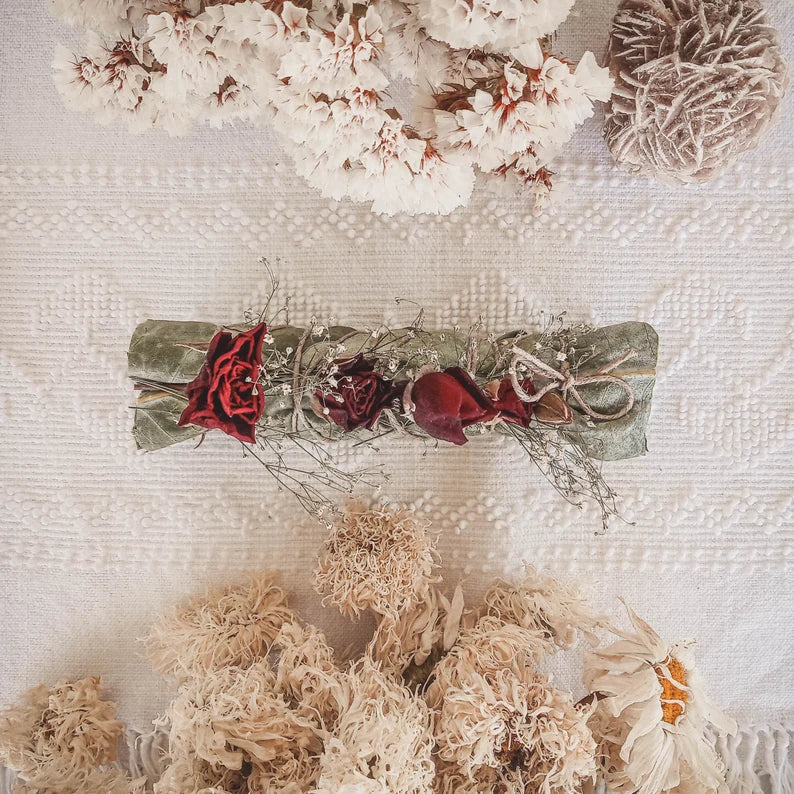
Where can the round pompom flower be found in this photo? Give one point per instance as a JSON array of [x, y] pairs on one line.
[[697, 83], [60, 733], [500, 723], [380, 559], [234, 625]]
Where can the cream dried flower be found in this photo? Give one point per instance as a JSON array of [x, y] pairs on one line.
[[501, 723], [415, 640], [492, 24], [382, 742], [93, 781], [189, 774], [234, 717], [554, 612], [381, 559], [234, 625], [652, 716], [62, 732], [307, 673]]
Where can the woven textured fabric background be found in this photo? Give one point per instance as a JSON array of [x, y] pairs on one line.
[[100, 229]]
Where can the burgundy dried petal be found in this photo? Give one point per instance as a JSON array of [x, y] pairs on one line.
[[444, 403], [225, 394]]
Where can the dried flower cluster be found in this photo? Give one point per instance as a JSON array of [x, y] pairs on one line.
[[568, 395], [493, 98], [697, 83], [57, 739], [444, 700]]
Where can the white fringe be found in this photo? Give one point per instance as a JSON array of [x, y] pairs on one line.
[[759, 759]]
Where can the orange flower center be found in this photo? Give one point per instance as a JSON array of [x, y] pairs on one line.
[[671, 672]]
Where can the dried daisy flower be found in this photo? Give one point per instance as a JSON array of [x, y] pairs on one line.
[[306, 672], [382, 742], [234, 719], [501, 723], [92, 781], [697, 83], [381, 559], [232, 626], [415, 640], [554, 612], [652, 715], [65, 730]]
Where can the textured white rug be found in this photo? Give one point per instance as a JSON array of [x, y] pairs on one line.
[[99, 229]]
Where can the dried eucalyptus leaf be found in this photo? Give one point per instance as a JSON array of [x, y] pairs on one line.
[[160, 350], [156, 417], [619, 438]]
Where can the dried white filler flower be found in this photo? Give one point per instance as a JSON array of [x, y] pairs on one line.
[[652, 714], [319, 72], [697, 83]]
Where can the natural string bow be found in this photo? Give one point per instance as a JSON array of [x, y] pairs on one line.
[[564, 381]]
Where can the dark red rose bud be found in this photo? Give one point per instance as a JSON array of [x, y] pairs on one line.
[[444, 403], [225, 395], [360, 395], [510, 406]]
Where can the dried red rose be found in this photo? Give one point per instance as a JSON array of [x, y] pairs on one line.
[[225, 395], [510, 406], [444, 403], [360, 395]]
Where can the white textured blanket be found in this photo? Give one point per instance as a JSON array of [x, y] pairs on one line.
[[100, 229]]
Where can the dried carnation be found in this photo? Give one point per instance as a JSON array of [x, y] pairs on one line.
[[382, 742], [411, 643], [652, 715], [306, 672], [381, 559], [554, 612], [93, 781], [234, 625], [189, 774], [60, 732], [698, 83], [501, 723], [234, 718]]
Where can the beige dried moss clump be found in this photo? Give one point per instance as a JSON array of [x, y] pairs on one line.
[[232, 626], [382, 559], [59, 733]]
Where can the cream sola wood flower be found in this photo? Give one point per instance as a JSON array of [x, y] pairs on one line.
[[321, 74], [652, 716]]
